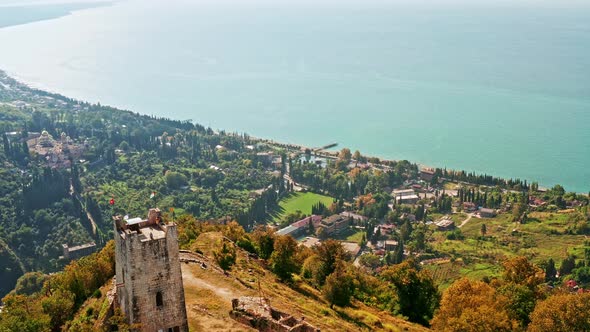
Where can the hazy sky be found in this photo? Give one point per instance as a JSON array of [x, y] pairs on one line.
[[557, 3]]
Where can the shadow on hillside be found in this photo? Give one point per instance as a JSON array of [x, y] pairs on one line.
[[274, 215], [296, 287], [348, 318], [278, 211]]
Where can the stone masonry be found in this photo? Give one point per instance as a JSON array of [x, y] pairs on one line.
[[149, 281]]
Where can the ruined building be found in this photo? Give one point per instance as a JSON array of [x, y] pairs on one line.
[[148, 277]]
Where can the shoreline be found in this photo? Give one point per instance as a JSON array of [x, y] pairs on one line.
[[41, 87]]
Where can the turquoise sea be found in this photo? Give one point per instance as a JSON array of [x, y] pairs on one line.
[[497, 87]]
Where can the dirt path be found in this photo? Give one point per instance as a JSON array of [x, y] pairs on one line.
[[189, 279], [469, 216]]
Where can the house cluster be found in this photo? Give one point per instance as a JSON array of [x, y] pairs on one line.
[[270, 159], [471, 207], [333, 225], [573, 286], [57, 153], [427, 174], [299, 228], [535, 202], [405, 196]]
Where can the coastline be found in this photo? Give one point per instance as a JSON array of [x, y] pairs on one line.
[[332, 153], [63, 10]]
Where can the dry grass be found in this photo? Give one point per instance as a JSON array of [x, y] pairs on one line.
[[208, 296]]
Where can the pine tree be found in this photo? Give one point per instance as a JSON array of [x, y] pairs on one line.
[[398, 253], [550, 270]]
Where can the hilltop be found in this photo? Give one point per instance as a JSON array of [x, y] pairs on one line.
[[209, 292]]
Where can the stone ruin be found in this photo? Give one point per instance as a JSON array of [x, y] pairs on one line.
[[257, 313]]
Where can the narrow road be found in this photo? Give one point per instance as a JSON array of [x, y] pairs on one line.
[[79, 198], [287, 177], [469, 216]]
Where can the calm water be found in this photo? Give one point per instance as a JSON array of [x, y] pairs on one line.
[[495, 88]]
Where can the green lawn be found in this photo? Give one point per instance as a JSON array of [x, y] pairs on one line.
[[300, 202]]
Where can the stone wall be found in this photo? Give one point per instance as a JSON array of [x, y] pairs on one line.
[[256, 312]]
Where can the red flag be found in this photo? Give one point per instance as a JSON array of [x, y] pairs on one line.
[[112, 201]]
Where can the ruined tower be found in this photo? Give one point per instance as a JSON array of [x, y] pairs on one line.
[[149, 281]]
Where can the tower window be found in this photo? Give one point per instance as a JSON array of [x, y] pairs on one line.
[[159, 301]]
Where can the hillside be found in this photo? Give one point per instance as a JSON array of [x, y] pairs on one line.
[[209, 292]]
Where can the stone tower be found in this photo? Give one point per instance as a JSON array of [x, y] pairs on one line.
[[149, 281]]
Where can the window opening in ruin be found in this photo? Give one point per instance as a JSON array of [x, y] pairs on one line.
[[159, 301]]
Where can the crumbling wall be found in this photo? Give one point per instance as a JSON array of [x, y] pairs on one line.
[[256, 312]]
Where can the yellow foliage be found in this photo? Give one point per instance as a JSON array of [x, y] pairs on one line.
[[472, 306], [562, 313]]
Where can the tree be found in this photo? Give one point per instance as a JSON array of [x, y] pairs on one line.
[[472, 306], [234, 231], [124, 146], [345, 155], [60, 307], [30, 283], [264, 239], [329, 252], [282, 260], [321, 233], [520, 302], [175, 180], [520, 271], [339, 286], [398, 253], [370, 260], [582, 274], [562, 313], [310, 228], [418, 296], [519, 209], [225, 256], [406, 230], [21, 314], [550, 270], [419, 238], [357, 155], [311, 267], [567, 265]]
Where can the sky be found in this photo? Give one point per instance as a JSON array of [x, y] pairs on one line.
[[556, 3]]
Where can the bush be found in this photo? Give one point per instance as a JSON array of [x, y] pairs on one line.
[[175, 180], [455, 235]]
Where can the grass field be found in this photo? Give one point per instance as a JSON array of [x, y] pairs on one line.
[[299, 202]]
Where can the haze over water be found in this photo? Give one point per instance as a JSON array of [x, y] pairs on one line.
[[494, 87]]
